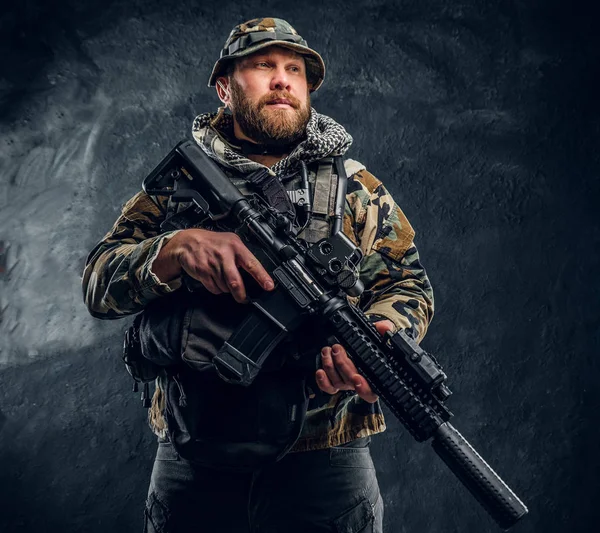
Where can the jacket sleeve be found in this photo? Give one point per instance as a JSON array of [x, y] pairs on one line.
[[396, 284], [118, 278]]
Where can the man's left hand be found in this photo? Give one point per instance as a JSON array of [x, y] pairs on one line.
[[340, 373]]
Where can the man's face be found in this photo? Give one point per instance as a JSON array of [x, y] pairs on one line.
[[269, 96]]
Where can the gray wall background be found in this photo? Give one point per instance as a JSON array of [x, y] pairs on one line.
[[482, 118]]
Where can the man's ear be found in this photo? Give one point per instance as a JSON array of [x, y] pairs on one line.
[[222, 87]]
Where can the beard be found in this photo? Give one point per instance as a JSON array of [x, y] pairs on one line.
[[275, 127]]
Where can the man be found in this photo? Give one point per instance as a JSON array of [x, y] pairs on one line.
[[326, 481]]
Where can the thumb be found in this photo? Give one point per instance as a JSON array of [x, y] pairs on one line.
[[384, 325]]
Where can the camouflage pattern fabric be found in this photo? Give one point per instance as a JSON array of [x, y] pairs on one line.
[[260, 24], [118, 281], [256, 34]]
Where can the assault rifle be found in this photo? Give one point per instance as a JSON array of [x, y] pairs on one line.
[[313, 281]]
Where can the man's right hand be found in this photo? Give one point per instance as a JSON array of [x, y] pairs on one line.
[[213, 258]]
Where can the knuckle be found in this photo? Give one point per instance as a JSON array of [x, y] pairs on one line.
[[328, 388], [234, 242], [232, 277], [222, 253], [334, 368], [188, 259], [213, 262]]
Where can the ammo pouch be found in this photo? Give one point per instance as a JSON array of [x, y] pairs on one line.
[[209, 421], [151, 341], [140, 369]]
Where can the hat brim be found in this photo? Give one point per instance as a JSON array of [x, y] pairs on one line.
[[315, 66]]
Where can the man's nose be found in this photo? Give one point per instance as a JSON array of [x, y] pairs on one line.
[[280, 79]]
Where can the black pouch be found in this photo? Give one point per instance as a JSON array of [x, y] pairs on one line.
[[229, 427], [212, 422], [161, 327], [140, 369], [153, 340]]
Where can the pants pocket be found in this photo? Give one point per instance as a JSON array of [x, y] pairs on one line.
[[148, 526], [156, 515], [359, 519]]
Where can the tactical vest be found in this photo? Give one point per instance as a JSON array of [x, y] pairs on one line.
[[209, 421], [323, 181]]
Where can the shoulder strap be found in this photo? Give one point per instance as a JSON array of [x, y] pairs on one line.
[[324, 187], [323, 202]]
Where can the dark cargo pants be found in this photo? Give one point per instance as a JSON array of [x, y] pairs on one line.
[[332, 490]]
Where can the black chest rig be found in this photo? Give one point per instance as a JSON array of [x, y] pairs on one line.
[[210, 421], [308, 195]]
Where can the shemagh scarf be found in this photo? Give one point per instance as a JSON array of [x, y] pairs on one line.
[[324, 138]]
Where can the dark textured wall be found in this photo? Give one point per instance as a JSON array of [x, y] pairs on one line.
[[483, 120]]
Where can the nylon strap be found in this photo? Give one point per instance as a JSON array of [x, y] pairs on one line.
[[323, 187], [325, 190]]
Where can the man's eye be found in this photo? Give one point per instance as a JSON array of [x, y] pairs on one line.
[[295, 69], [262, 64]]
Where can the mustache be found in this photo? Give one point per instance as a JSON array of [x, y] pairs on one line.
[[267, 99]]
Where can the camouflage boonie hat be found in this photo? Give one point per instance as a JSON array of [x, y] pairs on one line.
[[247, 38]]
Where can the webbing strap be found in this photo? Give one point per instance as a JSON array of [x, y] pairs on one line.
[[323, 186], [324, 200]]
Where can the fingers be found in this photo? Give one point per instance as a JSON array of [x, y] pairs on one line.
[[360, 385], [334, 377], [247, 261], [324, 383], [384, 325], [208, 271], [343, 366], [210, 284], [363, 389], [218, 279], [340, 373], [235, 284], [214, 259]]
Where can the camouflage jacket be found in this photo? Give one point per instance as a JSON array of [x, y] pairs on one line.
[[118, 281]]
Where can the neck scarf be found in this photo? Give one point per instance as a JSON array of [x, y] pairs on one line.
[[324, 138]]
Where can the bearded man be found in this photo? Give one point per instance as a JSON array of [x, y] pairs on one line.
[[287, 454]]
